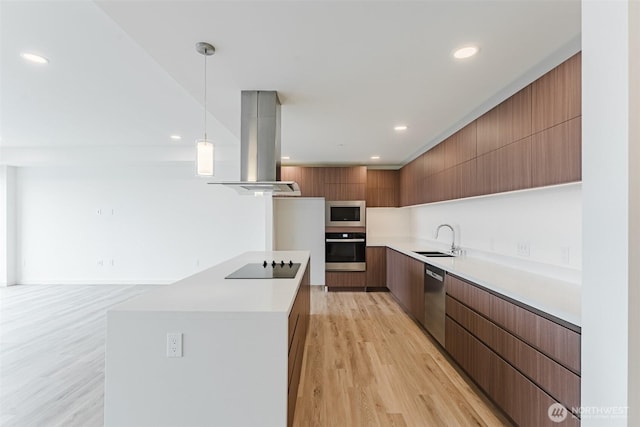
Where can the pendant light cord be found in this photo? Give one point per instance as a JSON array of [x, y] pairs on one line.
[[205, 95]]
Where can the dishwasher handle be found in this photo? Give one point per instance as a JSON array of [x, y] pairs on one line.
[[434, 275]]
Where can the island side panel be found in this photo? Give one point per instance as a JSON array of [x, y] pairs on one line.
[[233, 371]]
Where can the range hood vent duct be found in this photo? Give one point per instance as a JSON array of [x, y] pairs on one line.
[[260, 146]]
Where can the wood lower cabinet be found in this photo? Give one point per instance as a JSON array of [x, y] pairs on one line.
[[298, 327], [523, 360], [405, 280], [345, 279], [376, 266]]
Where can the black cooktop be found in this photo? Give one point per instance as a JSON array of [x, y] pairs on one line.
[[272, 270]]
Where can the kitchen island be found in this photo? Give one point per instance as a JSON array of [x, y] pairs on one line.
[[240, 353]]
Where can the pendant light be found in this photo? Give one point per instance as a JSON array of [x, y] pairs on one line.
[[204, 148]]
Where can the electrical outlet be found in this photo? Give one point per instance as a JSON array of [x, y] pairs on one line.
[[174, 345], [524, 249], [100, 262], [565, 254], [113, 262], [99, 211]]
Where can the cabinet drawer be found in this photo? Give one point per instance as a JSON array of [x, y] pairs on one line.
[[562, 384], [524, 402], [555, 341]]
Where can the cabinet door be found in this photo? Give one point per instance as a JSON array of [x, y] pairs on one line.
[[416, 287], [556, 96], [382, 188], [434, 160], [405, 280], [310, 179], [505, 169], [508, 122], [461, 146], [345, 279], [345, 183], [556, 154], [376, 266]]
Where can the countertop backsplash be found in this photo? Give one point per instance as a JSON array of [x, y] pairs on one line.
[[537, 230]]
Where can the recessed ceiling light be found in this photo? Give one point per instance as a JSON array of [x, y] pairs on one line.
[[465, 52], [400, 128], [176, 137], [375, 157], [34, 58], [285, 157]]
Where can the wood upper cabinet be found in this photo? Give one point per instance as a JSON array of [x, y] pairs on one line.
[[461, 146], [310, 179], [340, 183], [405, 280], [532, 139], [411, 175], [465, 178], [508, 122], [383, 188], [556, 97], [556, 154], [505, 169], [434, 160], [345, 183], [405, 180]]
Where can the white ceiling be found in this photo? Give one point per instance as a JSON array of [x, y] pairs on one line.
[[124, 75]]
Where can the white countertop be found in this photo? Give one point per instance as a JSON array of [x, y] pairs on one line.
[[556, 297], [209, 291]]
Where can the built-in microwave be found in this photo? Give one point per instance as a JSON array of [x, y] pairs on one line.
[[350, 213]]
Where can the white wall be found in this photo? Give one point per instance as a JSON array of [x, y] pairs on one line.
[[7, 226], [387, 222], [608, 295], [634, 213], [299, 225], [128, 224]]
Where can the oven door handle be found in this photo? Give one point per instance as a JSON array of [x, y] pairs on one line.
[[344, 240]]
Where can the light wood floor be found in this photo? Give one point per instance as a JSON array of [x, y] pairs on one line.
[[367, 363], [52, 353]]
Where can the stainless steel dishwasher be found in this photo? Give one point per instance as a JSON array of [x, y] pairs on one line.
[[434, 302]]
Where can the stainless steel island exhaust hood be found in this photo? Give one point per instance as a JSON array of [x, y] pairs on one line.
[[260, 147]]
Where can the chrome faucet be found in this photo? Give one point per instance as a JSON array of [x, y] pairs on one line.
[[454, 249]]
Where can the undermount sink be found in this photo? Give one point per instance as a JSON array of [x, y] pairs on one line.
[[433, 254]]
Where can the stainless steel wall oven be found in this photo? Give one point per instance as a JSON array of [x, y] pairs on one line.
[[345, 251]]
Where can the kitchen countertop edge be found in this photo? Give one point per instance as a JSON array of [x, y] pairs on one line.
[[558, 298]]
